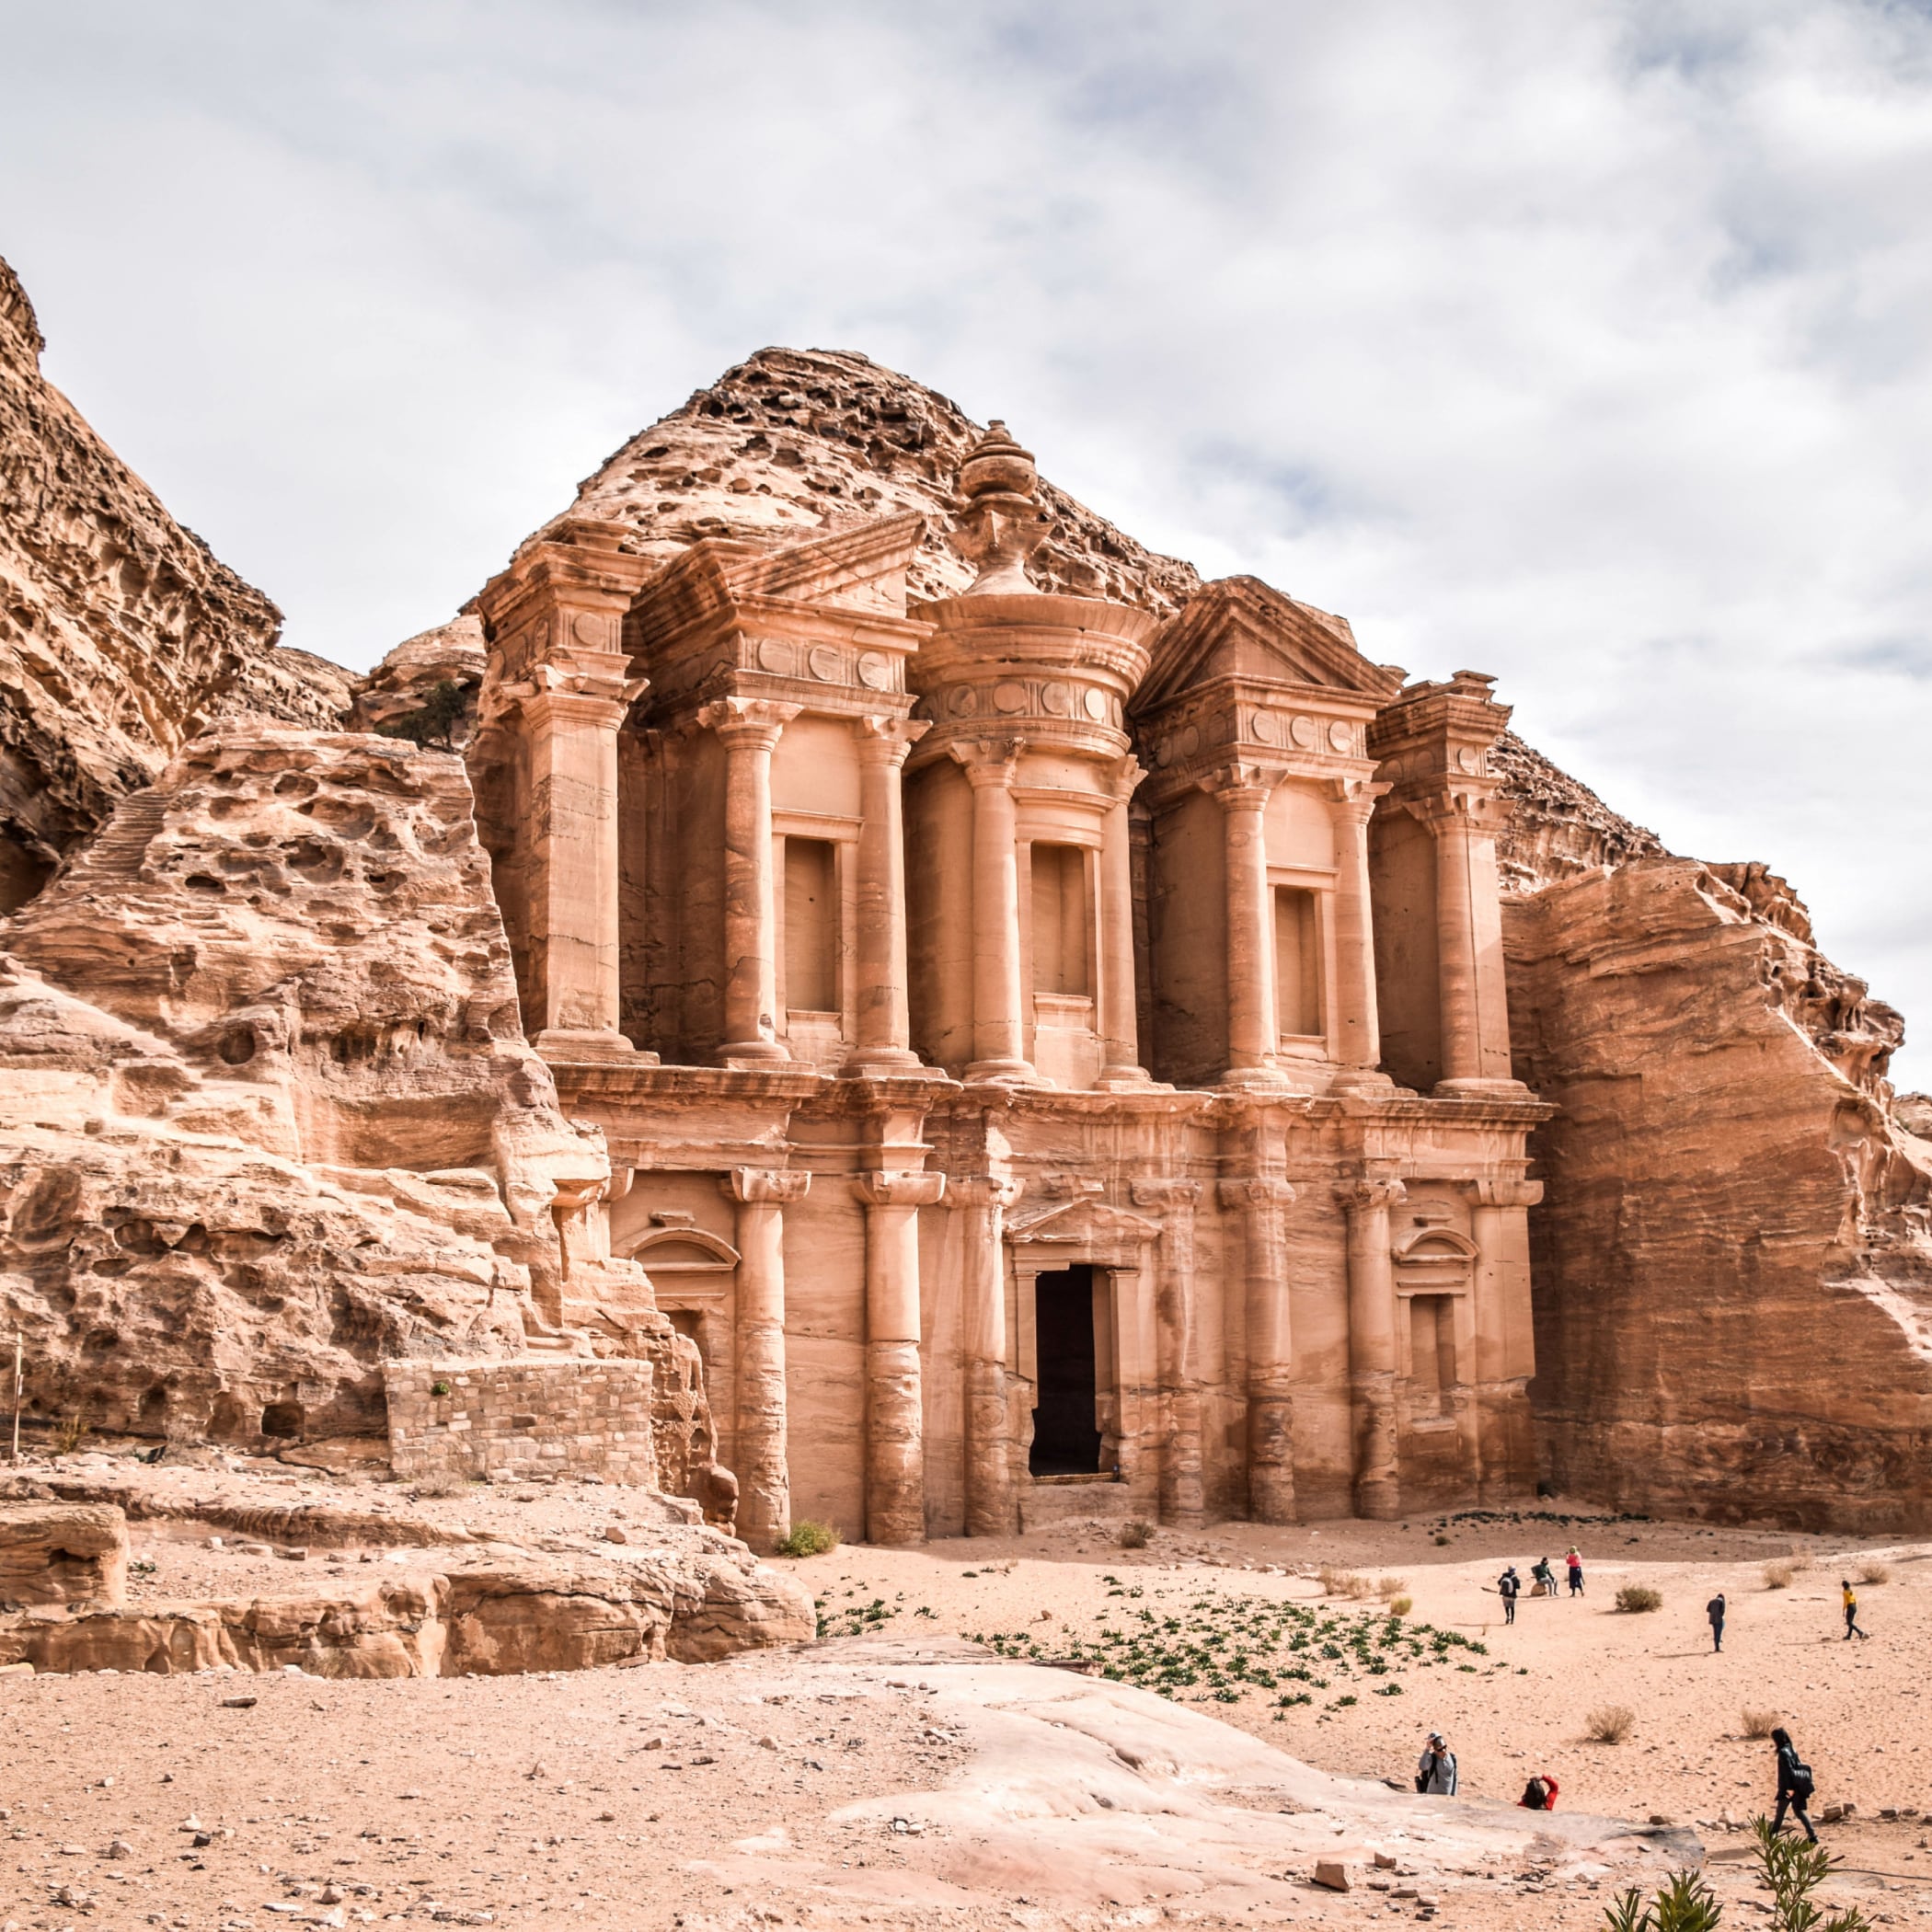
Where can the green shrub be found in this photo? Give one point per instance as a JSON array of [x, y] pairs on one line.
[[809, 1538]]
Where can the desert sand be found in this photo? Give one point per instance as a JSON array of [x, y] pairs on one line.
[[908, 1775]]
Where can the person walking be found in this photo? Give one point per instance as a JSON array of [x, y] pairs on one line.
[[1794, 1784], [1851, 1611], [1574, 1556], [1507, 1585], [1435, 1770], [1714, 1612]]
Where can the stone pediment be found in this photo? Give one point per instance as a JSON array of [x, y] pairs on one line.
[[862, 568], [1239, 626], [1088, 1229]]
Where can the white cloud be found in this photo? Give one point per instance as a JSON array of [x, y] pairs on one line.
[[1584, 345]]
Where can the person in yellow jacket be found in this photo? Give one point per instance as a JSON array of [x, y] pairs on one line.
[[1851, 1610]]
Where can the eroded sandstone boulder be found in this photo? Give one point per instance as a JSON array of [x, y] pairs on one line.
[[267, 1114], [121, 633], [62, 1553]]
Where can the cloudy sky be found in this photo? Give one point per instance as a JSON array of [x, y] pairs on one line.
[[1584, 344]]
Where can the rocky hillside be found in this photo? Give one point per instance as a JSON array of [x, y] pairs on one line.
[[121, 633]]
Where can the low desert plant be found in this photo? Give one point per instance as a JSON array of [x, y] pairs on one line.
[[1136, 1535], [1874, 1572], [1390, 1586], [1345, 1582], [1635, 1597], [1759, 1723], [1684, 1902], [1777, 1575], [1442, 1539], [440, 1482], [1609, 1724], [1400, 1605], [70, 1431], [1791, 1870], [809, 1538]]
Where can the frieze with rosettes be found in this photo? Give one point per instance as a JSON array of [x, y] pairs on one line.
[[1436, 762], [1065, 700], [821, 664], [1277, 729]]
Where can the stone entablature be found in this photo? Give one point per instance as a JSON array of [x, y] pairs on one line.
[[565, 1417]]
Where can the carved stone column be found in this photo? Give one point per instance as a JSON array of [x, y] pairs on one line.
[[1505, 1338], [1183, 1497], [1253, 1030], [884, 1043], [764, 1472], [997, 1016], [895, 1445], [1120, 1023], [981, 1202], [748, 729], [1358, 1042], [1468, 911], [1372, 1343], [1270, 1347]]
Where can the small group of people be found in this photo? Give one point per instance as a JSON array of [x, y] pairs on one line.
[[1714, 1613], [1509, 1585], [1436, 1777]]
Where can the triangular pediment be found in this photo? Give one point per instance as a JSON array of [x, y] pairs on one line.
[[1082, 1224], [1239, 626], [861, 568]]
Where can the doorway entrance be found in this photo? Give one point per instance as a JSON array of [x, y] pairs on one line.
[[1066, 1435]]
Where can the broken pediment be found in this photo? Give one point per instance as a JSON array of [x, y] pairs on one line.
[[1239, 626], [861, 568]]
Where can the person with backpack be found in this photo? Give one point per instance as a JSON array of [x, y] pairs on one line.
[[1540, 1794], [1545, 1576], [1507, 1585], [1794, 1784], [1435, 1771], [1851, 1611], [1574, 1559], [1714, 1615]]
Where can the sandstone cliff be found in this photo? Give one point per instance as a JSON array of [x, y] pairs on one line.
[[121, 635], [267, 1115], [1734, 1278]]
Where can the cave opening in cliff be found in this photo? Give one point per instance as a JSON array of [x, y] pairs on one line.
[[1066, 1436]]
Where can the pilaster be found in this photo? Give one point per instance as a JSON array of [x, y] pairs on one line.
[[1261, 1202], [1183, 1490], [1372, 1342], [981, 1202], [764, 1471]]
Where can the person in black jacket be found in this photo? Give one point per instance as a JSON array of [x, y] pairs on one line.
[[1714, 1612], [1794, 1784]]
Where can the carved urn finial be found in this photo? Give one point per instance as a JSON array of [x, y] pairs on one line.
[[1001, 521]]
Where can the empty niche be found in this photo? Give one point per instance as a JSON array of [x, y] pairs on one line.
[[1060, 924], [1431, 1342], [811, 925], [1297, 961]]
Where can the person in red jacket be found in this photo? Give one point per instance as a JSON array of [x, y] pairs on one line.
[[1540, 1794]]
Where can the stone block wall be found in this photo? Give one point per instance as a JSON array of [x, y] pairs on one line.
[[566, 1416]]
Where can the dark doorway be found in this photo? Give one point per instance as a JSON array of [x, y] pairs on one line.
[[1066, 1441]]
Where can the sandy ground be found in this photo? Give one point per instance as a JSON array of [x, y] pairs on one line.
[[763, 1792]]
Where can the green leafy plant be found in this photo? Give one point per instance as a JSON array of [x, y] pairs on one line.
[[809, 1538], [434, 719], [1684, 1902], [1792, 1869]]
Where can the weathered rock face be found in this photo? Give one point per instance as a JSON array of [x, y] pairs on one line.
[[62, 1553], [121, 633], [266, 1116], [797, 443], [1733, 1279], [427, 686], [1560, 829]]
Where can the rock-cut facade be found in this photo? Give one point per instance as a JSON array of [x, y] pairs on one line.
[[1048, 1022]]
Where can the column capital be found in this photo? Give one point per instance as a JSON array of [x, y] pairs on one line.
[[988, 761], [1125, 778], [1512, 1193], [598, 710], [983, 1191], [1369, 1196], [1354, 800], [753, 721], [778, 1185], [886, 740], [1237, 786], [1165, 1193], [1257, 1191], [902, 1187], [1471, 804]]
